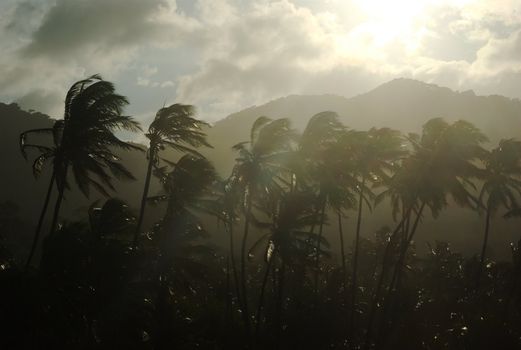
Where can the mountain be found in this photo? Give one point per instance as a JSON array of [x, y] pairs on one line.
[[402, 104]]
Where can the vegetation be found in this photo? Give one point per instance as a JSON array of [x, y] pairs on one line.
[[110, 281]]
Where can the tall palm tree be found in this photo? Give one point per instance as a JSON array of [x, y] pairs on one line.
[[288, 242], [174, 127], [257, 173], [442, 163], [321, 162], [502, 186], [177, 235], [93, 112], [373, 155], [85, 141], [226, 201]]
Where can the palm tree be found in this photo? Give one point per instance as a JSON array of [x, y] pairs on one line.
[[93, 112], [441, 164], [176, 236], [372, 157], [502, 186], [288, 242], [174, 127], [84, 140], [257, 174], [225, 206], [322, 163]]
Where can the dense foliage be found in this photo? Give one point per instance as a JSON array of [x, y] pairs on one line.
[[114, 282]]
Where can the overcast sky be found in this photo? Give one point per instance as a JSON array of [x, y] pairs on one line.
[[225, 55]]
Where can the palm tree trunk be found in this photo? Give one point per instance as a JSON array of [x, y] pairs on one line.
[[355, 257], [40, 221], [317, 256], [376, 294], [408, 236], [59, 199], [234, 262], [393, 285], [145, 195], [378, 289], [407, 243], [228, 314], [245, 313], [280, 302], [342, 248], [261, 297], [484, 248]]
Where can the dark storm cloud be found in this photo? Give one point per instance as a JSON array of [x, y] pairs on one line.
[[70, 26], [26, 16]]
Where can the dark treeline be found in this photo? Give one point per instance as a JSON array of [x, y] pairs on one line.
[[112, 281]]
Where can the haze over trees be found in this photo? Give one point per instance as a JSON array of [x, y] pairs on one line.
[[288, 274]]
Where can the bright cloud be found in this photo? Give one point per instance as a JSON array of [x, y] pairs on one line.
[[223, 55]]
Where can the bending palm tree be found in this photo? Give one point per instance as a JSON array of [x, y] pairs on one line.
[[174, 127], [441, 164], [502, 185], [289, 242], [177, 235], [85, 141], [257, 175], [323, 163], [92, 115], [373, 155]]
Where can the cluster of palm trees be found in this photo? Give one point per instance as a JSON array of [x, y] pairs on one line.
[[343, 170], [284, 189]]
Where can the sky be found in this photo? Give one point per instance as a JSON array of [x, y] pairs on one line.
[[225, 55]]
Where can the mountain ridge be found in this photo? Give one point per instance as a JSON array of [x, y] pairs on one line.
[[402, 103]]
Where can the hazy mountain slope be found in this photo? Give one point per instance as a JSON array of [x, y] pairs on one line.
[[402, 104]]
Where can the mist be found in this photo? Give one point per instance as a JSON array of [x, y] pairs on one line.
[[260, 174]]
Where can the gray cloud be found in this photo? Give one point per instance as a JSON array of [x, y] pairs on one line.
[[71, 26]]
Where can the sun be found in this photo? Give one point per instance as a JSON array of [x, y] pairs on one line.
[[383, 25], [387, 21]]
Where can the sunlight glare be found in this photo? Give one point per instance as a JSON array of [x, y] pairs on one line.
[[384, 23], [387, 21]]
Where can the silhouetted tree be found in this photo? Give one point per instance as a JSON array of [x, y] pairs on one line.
[[373, 157], [175, 127], [323, 164], [256, 174], [441, 163], [502, 185], [84, 140], [178, 233]]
